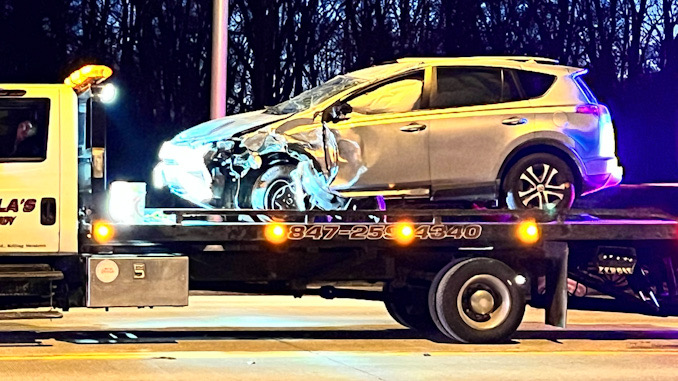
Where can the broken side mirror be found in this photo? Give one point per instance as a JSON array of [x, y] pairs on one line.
[[337, 112]]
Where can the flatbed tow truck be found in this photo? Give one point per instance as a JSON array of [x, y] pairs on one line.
[[465, 274]]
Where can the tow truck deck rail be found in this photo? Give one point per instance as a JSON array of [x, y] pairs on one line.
[[639, 213], [488, 226]]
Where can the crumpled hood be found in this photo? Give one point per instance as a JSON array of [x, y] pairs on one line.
[[226, 127]]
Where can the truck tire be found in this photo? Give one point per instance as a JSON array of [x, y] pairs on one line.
[[409, 307], [540, 181], [476, 301]]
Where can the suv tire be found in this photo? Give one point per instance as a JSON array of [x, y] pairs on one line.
[[274, 189], [539, 180]]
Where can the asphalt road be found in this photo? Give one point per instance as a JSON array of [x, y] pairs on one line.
[[279, 338]]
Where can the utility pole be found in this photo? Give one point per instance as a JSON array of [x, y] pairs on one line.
[[219, 58]]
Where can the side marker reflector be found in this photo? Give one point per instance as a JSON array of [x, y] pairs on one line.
[[404, 233], [528, 232], [275, 233], [102, 232]]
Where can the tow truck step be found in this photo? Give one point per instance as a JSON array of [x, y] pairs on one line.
[[33, 283], [25, 267], [32, 272], [19, 315], [31, 275]]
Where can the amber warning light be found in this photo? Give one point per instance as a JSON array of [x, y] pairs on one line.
[[87, 76], [404, 233], [528, 232], [275, 233], [102, 232]]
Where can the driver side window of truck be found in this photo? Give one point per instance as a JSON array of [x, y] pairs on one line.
[[23, 129]]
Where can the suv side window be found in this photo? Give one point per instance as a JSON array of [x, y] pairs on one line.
[[534, 84], [466, 86], [473, 86], [401, 94], [23, 129]]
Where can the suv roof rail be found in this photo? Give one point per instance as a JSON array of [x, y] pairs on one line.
[[540, 60]]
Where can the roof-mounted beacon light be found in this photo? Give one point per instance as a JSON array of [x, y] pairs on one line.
[[84, 78]]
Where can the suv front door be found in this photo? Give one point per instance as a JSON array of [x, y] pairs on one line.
[[383, 147]]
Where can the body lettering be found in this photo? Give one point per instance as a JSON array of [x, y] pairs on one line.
[[13, 205], [7, 220]]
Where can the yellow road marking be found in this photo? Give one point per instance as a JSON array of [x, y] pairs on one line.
[[284, 354]]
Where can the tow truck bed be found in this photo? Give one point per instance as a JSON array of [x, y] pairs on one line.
[[608, 260], [327, 247]]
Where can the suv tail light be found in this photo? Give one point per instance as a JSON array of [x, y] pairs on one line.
[[590, 109], [605, 127]]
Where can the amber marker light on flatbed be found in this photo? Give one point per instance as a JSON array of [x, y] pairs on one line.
[[404, 233], [275, 233], [102, 232], [528, 232]]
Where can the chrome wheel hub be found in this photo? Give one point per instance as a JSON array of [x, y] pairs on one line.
[[484, 302], [540, 187]]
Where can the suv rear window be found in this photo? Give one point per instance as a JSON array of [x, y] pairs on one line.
[[534, 84], [23, 129], [585, 89], [474, 86]]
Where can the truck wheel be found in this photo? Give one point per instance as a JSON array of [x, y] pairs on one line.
[[476, 301], [541, 181], [408, 306], [274, 189]]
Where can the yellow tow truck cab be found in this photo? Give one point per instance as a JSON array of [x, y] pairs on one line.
[[38, 191], [46, 162]]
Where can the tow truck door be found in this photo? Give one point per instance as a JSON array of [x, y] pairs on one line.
[[29, 169]]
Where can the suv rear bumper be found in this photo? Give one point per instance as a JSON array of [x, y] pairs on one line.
[[601, 174]]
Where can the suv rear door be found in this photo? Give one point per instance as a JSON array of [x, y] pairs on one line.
[[481, 112]]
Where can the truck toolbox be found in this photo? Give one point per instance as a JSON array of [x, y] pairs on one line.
[[136, 281]]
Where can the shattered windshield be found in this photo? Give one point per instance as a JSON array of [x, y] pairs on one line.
[[314, 96]]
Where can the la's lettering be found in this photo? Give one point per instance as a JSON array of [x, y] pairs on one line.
[[27, 205], [15, 205]]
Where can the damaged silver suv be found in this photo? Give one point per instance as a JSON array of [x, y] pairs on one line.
[[521, 131]]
